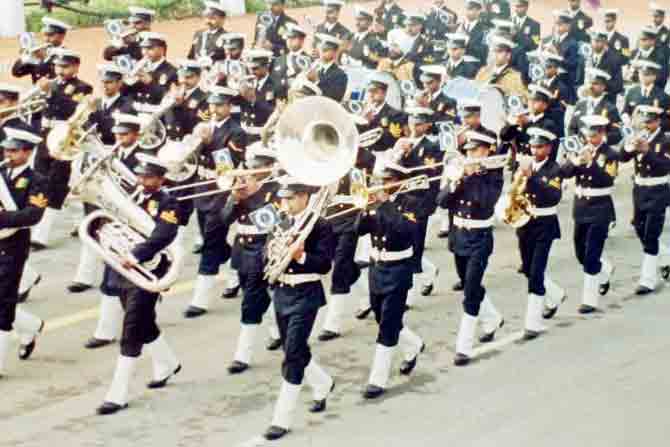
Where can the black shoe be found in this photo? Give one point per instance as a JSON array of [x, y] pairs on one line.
[[427, 289], [487, 338], [155, 384], [110, 408], [237, 367], [319, 406], [74, 232], [78, 287], [197, 249], [373, 391], [530, 335], [642, 290], [26, 350], [231, 292], [458, 287], [604, 288], [273, 344], [363, 264], [586, 309], [520, 269], [23, 297], [549, 312], [461, 359], [37, 246], [362, 314], [94, 343], [194, 312], [273, 433], [407, 366], [327, 335], [443, 234], [665, 272]]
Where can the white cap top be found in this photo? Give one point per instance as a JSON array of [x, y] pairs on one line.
[[594, 120], [136, 10], [596, 72], [23, 135], [5, 87], [48, 21]]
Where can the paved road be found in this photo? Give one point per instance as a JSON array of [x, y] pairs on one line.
[[600, 379]]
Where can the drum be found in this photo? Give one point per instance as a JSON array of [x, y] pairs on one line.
[[358, 79], [491, 99]]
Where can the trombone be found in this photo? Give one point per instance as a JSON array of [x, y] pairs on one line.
[[225, 181]]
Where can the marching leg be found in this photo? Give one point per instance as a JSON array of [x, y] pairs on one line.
[[41, 232], [164, 361], [465, 340], [649, 275], [490, 320], [274, 342], [4, 347], [444, 224], [589, 294], [29, 279], [284, 410], [605, 274], [321, 383], [232, 288], [202, 296], [28, 327], [110, 321], [430, 272], [534, 326], [117, 396], [554, 297], [245, 348], [380, 372], [87, 270], [411, 346], [333, 322]]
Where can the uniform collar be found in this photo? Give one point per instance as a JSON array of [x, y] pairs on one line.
[[219, 124], [262, 82], [499, 70], [536, 118], [436, 95], [646, 53], [361, 36], [127, 151], [107, 102], [154, 66], [537, 166], [654, 135], [18, 171]]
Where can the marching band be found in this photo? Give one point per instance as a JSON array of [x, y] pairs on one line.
[[296, 160]]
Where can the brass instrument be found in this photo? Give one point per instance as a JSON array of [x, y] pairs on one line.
[[65, 139], [29, 45], [153, 133], [516, 213], [132, 69], [118, 31], [25, 108], [265, 21], [317, 144]]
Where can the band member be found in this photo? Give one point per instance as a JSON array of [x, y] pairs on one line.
[[420, 151], [207, 46], [272, 38], [64, 94], [581, 23], [475, 28], [615, 40], [594, 169], [459, 65], [346, 270], [443, 107], [607, 60], [519, 61], [597, 104], [298, 296], [651, 151], [502, 74], [23, 196], [190, 101], [649, 50], [140, 328], [39, 64], [471, 201], [391, 225], [562, 96], [289, 65], [331, 24], [543, 190], [9, 98], [126, 132], [259, 96], [326, 73], [646, 93], [389, 17], [140, 20], [528, 29], [379, 113], [396, 63], [658, 19], [252, 197], [564, 44], [422, 49], [157, 76], [224, 145], [112, 101], [440, 21], [365, 49]]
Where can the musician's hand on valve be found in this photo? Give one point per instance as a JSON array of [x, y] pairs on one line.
[[313, 76], [44, 84], [525, 168], [299, 252]]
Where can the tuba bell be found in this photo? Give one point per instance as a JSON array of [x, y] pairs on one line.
[[64, 139]]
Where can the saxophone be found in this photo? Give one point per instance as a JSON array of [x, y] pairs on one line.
[[516, 214]]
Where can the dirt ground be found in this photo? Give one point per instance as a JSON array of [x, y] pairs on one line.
[[89, 42]]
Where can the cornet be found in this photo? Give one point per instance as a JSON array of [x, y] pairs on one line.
[[118, 31], [133, 69], [454, 169], [265, 21]]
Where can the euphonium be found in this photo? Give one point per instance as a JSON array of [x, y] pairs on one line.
[[114, 230], [65, 139], [516, 213]]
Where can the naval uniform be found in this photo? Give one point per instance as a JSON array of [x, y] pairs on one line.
[[182, 118], [28, 190], [391, 17], [638, 95], [103, 116], [598, 106], [365, 51], [163, 76], [275, 33], [332, 82], [461, 69], [208, 43], [390, 121], [651, 192], [476, 46], [285, 69], [132, 49], [256, 114], [609, 62]]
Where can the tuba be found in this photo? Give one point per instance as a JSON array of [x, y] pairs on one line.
[[317, 144], [65, 139], [114, 230]]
